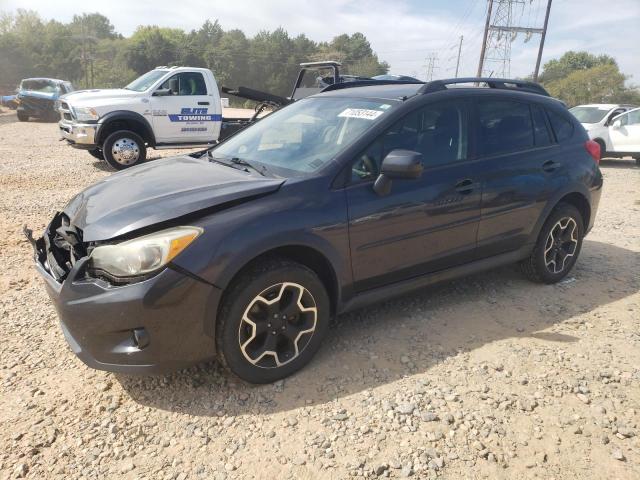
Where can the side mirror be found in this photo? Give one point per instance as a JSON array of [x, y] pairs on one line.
[[162, 92], [617, 124], [398, 164]]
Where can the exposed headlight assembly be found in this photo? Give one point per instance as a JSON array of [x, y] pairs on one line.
[[85, 114], [143, 255]]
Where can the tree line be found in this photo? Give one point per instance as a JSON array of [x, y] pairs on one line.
[[90, 53]]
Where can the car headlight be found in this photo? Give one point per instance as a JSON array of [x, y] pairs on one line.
[[142, 255], [85, 113]]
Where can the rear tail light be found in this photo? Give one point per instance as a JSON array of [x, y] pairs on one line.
[[594, 150]]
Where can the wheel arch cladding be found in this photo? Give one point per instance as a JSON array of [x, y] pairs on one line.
[[579, 201], [304, 255], [126, 121]]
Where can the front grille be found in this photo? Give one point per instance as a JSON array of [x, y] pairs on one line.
[[63, 247], [37, 104]]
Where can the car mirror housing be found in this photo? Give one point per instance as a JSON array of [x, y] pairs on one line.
[[398, 164], [617, 124]]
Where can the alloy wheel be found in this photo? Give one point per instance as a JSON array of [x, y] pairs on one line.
[[561, 244], [277, 325]]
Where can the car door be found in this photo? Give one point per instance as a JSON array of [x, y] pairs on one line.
[[422, 225], [517, 163], [624, 133], [184, 116]]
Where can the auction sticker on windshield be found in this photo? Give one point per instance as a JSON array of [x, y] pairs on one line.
[[360, 113]]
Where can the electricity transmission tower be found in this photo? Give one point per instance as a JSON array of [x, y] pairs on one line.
[[500, 31], [431, 66]]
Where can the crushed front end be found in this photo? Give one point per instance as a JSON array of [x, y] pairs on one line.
[[152, 326]]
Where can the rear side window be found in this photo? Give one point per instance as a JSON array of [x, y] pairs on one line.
[[562, 127], [542, 136], [505, 126]]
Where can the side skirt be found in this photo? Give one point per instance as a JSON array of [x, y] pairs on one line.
[[380, 294]]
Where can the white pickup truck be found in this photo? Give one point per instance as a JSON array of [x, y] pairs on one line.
[[168, 107]]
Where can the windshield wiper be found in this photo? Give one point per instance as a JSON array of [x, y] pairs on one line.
[[245, 163], [237, 161]]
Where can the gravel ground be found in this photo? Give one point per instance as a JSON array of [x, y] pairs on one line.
[[486, 377]]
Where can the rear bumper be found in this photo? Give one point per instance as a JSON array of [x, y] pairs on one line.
[[161, 324], [79, 135]]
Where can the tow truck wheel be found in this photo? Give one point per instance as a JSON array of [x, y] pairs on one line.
[[124, 149], [96, 153], [23, 117]]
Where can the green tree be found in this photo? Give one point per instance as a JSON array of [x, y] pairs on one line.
[[599, 84], [573, 61]]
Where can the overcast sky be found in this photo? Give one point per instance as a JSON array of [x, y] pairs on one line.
[[402, 32]]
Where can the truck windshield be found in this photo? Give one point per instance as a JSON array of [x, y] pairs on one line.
[[589, 114], [144, 82], [39, 85], [301, 138]]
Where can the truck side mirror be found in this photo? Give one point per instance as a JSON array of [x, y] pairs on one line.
[[162, 92], [398, 164]]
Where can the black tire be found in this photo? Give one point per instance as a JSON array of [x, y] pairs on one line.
[[133, 142], [23, 117], [233, 332], [603, 147], [96, 153], [638, 161], [536, 267]]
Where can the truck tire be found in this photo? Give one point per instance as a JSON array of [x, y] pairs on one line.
[[96, 153], [23, 117], [124, 149]]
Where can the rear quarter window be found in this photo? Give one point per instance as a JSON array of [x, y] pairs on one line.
[[562, 126]]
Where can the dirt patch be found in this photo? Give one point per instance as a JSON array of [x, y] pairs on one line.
[[486, 377]]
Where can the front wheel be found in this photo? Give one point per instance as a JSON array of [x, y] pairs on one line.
[[96, 153], [23, 117], [272, 321], [558, 246], [124, 149]]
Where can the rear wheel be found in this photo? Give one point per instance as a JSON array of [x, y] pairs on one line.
[[23, 117], [272, 321], [124, 149], [558, 246]]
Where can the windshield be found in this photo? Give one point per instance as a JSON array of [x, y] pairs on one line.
[[144, 82], [43, 86], [589, 114], [301, 138]]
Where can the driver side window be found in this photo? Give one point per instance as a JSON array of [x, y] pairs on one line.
[[188, 83], [438, 131]]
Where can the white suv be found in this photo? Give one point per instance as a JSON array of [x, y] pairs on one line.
[[597, 119]]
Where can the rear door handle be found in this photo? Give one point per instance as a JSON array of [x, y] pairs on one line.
[[466, 186], [203, 103], [551, 166]]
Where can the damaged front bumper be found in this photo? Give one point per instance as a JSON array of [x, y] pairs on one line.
[[157, 325]]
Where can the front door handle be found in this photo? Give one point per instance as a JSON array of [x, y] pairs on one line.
[[551, 166], [203, 103], [466, 186]]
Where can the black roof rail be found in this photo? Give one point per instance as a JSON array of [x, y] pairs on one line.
[[498, 83], [366, 83]]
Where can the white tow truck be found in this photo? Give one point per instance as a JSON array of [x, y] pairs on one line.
[[174, 107], [168, 107]]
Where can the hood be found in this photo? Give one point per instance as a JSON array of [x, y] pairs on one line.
[[93, 96], [35, 94], [159, 191]]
